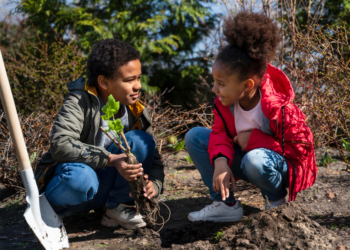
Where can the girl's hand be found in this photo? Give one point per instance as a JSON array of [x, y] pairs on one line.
[[148, 190], [222, 178], [242, 139]]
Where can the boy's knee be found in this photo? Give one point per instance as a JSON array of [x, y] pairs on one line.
[[139, 136], [80, 179]]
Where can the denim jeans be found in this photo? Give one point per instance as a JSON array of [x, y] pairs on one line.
[[76, 187], [261, 167]]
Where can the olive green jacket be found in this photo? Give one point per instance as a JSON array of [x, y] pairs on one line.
[[73, 135]]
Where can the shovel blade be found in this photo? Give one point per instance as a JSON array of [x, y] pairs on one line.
[[47, 226]]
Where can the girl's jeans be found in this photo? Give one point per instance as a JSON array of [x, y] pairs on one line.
[[76, 187], [261, 167]]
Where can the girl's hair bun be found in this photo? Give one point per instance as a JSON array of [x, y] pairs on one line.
[[254, 33]]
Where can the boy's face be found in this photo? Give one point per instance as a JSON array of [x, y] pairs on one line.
[[125, 87]]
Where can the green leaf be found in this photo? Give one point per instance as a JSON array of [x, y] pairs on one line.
[[110, 109], [115, 125]]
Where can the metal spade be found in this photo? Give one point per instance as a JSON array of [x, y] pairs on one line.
[[44, 222]]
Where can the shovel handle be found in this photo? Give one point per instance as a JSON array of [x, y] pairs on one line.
[[12, 119]]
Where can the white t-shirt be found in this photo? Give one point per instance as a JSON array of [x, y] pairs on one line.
[[248, 120]]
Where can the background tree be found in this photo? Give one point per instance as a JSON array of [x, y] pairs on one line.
[[165, 32]]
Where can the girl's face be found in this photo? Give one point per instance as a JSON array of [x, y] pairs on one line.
[[227, 87], [125, 87]]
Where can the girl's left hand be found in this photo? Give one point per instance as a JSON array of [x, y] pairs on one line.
[[242, 139], [148, 190]]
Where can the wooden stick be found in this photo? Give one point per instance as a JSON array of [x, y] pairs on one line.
[[174, 180], [125, 141], [119, 145]]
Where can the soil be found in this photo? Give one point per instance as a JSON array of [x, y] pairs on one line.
[[318, 219]]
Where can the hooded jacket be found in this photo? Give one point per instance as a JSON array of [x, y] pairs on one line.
[[73, 135], [284, 131]]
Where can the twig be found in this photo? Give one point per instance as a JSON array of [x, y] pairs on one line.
[[125, 141], [119, 145], [174, 180]]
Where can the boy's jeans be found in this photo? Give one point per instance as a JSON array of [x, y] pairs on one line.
[[76, 187], [261, 167]]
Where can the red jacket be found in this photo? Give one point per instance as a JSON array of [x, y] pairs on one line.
[[277, 96]]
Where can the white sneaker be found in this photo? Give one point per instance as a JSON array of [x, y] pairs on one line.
[[124, 216], [218, 212], [273, 204]]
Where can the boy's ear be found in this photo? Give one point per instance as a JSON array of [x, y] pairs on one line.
[[102, 82], [249, 84]]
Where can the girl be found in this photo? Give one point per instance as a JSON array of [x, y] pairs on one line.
[[258, 135]]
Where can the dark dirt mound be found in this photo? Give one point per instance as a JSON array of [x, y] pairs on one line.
[[286, 227]]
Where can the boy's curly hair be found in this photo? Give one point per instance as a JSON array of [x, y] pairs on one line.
[[253, 39], [107, 56]]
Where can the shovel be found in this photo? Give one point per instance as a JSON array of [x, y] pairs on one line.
[[42, 219]]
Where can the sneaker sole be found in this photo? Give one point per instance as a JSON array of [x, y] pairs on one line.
[[114, 223], [221, 219]]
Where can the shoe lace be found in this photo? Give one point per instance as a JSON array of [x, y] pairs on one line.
[[129, 210], [212, 206]]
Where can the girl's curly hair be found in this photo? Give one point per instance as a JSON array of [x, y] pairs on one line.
[[107, 56], [253, 39]]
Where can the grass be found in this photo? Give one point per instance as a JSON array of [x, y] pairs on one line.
[[12, 205], [218, 235], [327, 159]]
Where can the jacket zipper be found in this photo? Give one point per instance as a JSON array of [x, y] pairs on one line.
[[226, 128]]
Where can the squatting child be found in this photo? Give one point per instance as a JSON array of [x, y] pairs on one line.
[[83, 169], [258, 135]]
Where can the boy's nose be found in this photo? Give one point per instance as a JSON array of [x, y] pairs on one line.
[[137, 85]]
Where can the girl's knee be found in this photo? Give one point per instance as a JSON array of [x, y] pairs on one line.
[[252, 162], [196, 135]]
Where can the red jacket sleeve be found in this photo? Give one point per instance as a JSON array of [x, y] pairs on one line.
[[298, 138], [219, 142]]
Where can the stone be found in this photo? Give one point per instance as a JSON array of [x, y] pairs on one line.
[[330, 195]]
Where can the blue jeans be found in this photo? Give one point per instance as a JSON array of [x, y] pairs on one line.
[[76, 187], [261, 167]]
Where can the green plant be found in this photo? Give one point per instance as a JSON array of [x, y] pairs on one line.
[[12, 205], [345, 227], [178, 145], [188, 159], [346, 145], [333, 226], [32, 157], [327, 159], [218, 235], [143, 204]]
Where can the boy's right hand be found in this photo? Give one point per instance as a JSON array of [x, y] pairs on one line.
[[129, 171], [222, 178]]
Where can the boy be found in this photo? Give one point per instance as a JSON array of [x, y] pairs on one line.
[[83, 169]]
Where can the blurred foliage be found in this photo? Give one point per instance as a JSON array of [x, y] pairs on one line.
[[165, 32], [333, 12], [38, 72]]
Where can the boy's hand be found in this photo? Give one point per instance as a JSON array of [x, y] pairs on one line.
[[222, 178], [128, 171], [242, 139], [148, 189]]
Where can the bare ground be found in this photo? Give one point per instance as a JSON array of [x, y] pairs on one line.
[[318, 219]]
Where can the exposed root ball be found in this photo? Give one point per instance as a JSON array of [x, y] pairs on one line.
[[147, 207]]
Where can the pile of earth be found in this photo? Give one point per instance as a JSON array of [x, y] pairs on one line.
[[285, 227]]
